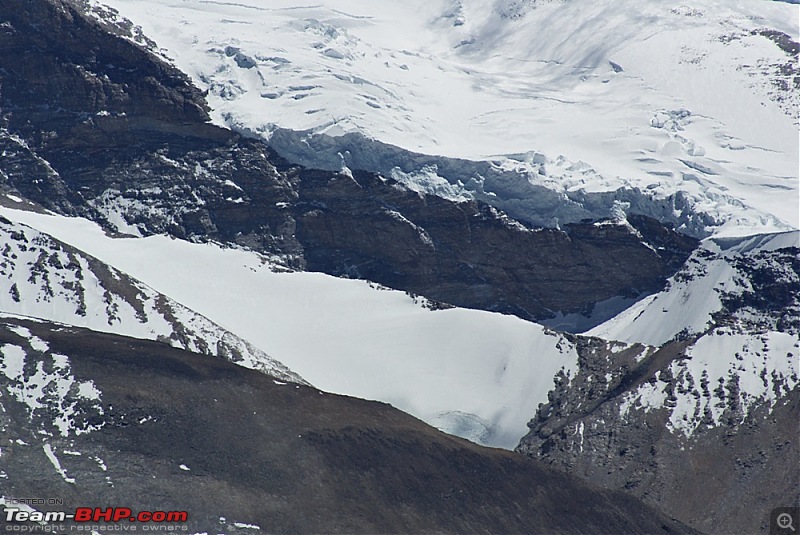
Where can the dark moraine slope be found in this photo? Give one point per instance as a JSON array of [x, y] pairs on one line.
[[175, 431]]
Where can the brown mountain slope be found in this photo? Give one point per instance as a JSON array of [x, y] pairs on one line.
[[178, 431]]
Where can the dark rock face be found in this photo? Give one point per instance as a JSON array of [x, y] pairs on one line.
[[471, 255], [723, 479], [170, 430], [773, 292], [65, 68], [93, 125], [719, 453], [720, 482]]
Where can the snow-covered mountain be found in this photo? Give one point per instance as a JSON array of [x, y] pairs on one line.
[[43, 278], [753, 281], [726, 363], [737, 329], [552, 111], [718, 395], [583, 167], [99, 418]]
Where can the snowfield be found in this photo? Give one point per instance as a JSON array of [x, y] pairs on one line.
[[476, 374], [668, 108]]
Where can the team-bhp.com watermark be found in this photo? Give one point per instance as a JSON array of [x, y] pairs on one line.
[[93, 519]]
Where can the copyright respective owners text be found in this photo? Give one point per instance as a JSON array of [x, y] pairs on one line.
[[53, 515]]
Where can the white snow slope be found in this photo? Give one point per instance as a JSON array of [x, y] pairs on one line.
[[693, 294], [724, 370], [580, 98], [476, 374]]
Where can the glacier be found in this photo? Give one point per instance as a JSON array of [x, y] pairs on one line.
[[552, 111]]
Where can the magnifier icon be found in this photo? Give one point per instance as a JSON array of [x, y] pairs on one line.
[[785, 521]]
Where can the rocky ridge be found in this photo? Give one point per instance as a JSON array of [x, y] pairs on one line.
[[703, 423], [43, 278]]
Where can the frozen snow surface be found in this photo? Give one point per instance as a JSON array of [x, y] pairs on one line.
[[553, 111], [477, 374]]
